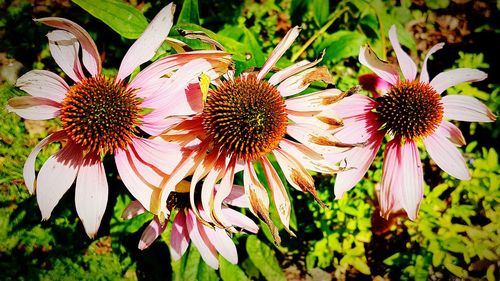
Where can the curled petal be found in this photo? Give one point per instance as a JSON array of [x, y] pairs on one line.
[[43, 84], [223, 191], [64, 47], [317, 139], [151, 233], [424, 76], [317, 101], [91, 194], [447, 156], [56, 176], [145, 46], [450, 78], [276, 54], [33, 108], [301, 81], [466, 108], [407, 65], [309, 158], [293, 69], [90, 55], [384, 70]]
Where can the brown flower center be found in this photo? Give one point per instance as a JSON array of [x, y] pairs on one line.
[[245, 117], [100, 114], [178, 200], [411, 109]]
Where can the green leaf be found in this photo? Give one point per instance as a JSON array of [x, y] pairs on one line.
[[437, 4], [263, 257], [230, 272], [361, 266], [341, 44], [321, 11], [257, 55], [121, 17], [189, 12], [457, 270]]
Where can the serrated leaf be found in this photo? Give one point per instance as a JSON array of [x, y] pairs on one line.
[[121, 17], [263, 257], [230, 272], [189, 12]]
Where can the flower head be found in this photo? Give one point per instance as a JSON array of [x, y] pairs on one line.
[[210, 241], [247, 119], [409, 111], [102, 115]]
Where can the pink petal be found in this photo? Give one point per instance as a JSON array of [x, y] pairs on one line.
[[353, 106], [359, 129], [280, 197], [412, 189], [223, 190], [310, 159], [359, 159], [237, 197], [133, 209], [424, 75], [325, 120], [451, 132], [392, 179], [201, 241], [29, 165], [151, 233], [447, 156], [43, 84], [222, 243], [91, 194], [90, 55], [450, 78], [316, 139], [384, 70], [64, 47], [466, 108], [33, 108], [158, 154], [56, 176], [155, 126], [237, 219], [376, 85], [208, 187], [207, 162], [179, 236], [316, 101], [276, 54], [151, 39], [292, 70], [407, 65]]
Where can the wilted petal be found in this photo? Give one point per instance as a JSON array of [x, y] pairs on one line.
[[424, 75], [447, 156], [56, 176], [384, 70], [282, 47], [301, 81], [450, 78], [451, 132], [310, 159], [316, 101], [151, 39], [91, 194], [151, 233], [64, 48], [317, 139], [33, 108], [292, 70], [407, 65], [466, 108], [43, 84]]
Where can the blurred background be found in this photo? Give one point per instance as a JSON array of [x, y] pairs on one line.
[[456, 235]]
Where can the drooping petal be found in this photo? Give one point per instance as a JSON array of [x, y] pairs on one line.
[[316, 101], [353, 106], [359, 159], [451, 132], [384, 70], [237, 196], [91, 194], [201, 241], [133, 209], [292, 70], [208, 187], [222, 243], [237, 219], [90, 55], [280, 49], [64, 48], [259, 200], [299, 82], [145, 46], [29, 165], [43, 84], [424, 75], [157, 154], [56, 176], [407, 65], [466, 108], [179, 236], [317, 139], [310, 159], [450, 78], [447, 156], [392, 179], [151, 233], [224, 189], [412, 189], [278, 191], [33, 108]]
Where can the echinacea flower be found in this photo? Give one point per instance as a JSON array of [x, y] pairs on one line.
[[102, 115], [248, 119], [409, 110], [186, 227]]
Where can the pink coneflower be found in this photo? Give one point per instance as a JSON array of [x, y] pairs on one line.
[[101, 115], [409, 111], [186, 227], [245, 121]]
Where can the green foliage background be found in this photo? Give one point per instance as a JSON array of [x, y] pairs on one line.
[[455, 236]]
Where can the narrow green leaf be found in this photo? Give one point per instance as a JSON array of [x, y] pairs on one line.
[[263, 258], [121, 17], [189, 12], [321, 11]]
